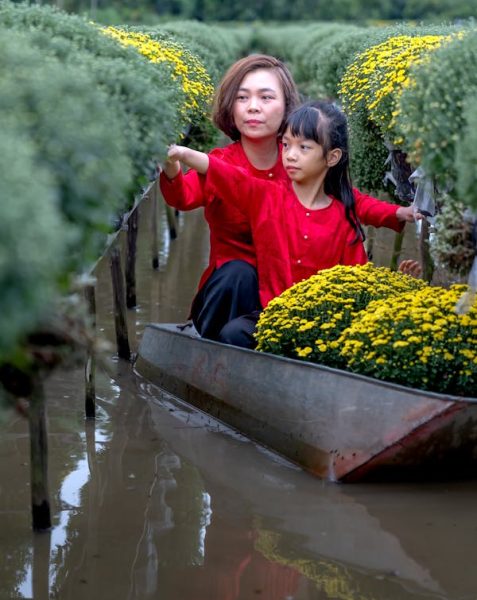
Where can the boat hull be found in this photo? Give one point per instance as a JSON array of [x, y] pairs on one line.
[[337, 425]]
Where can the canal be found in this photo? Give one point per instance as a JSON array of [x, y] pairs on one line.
[[153, 500]]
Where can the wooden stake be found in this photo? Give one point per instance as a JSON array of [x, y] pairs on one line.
[[41, 565], [40, 497], [131, 299], [171, 221], [119, 306], [90, 369], [370, 238], [426, 260], [397, 247], [155, 233]]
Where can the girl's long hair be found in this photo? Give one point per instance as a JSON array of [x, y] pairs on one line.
[[326, 124]]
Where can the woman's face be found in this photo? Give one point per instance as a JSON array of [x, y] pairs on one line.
[[259, 106]]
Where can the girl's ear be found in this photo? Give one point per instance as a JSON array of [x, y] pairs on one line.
[[333, 157]]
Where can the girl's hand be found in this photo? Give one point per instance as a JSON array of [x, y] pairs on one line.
[[410, 267], [171, 166], [176, 153], [408, 214], [199, 161]]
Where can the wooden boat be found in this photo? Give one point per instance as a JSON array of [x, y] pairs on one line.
[[338, 425]]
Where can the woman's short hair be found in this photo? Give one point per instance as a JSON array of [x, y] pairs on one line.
[[226, 93]]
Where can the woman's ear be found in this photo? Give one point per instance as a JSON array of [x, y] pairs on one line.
[[333, 157]]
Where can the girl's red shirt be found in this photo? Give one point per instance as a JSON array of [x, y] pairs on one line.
[[230, 231], [291, 242]]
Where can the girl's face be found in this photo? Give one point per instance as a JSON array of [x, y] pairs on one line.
[[259, 106], [303, 159]]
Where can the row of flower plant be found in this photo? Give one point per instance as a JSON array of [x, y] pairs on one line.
[[410, 94], [88, 111]]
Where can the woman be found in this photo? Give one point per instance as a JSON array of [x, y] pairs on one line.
[[251, 105]]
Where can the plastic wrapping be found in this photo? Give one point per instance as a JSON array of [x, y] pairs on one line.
[[425, 195]]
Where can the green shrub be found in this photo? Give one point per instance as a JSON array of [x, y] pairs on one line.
[[431, 117], [141, 94], [75, 136], [33, 237], [370, 88], [466, 154], [453, 246]]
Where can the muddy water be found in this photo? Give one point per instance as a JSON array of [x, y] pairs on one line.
[[155, 500]]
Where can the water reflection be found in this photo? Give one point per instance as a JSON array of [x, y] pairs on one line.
[[156, 500]]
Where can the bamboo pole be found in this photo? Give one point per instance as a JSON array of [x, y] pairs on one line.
[[40, 497], [131, 298], [120, 321]]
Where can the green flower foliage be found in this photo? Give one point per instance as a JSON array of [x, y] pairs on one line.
[[78, 142], [368, 153], [215, 46], [431, 117], [453, 247], [325, 64], [142, 95], [33, 237], [370, 86], [335, 55], [466, 154], [417, 340], [187, 70], [306, 320], [304, 51]]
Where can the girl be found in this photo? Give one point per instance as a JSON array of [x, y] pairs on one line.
[[251, 105], [301, 224]]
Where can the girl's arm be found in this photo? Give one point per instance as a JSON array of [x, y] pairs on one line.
[[231, 183], [378, 213], [353, 252], [199, 161], [182, 191]]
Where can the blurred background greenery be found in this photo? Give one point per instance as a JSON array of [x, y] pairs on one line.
[[155, 11]]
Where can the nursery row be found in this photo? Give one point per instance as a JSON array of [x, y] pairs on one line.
[[410, 93], [86, 113]]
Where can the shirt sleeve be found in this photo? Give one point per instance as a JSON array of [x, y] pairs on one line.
[[354, 253], [377, 213], [185, 191], [236, 185]]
